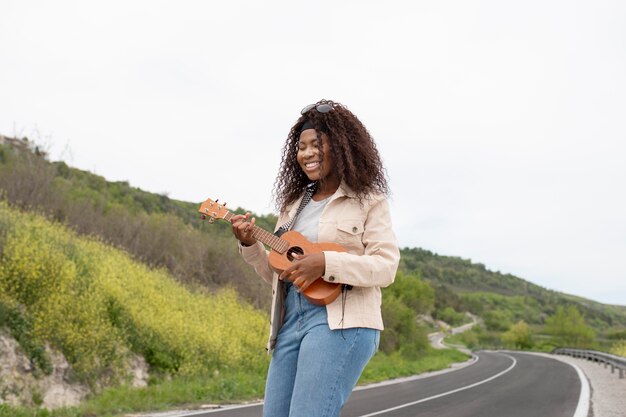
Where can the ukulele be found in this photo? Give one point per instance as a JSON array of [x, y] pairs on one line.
[[283, 250]]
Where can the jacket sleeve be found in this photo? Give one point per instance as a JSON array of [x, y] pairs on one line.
[[378, 264], [256, 256]]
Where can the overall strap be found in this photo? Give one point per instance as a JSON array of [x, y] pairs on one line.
[[310, 190]]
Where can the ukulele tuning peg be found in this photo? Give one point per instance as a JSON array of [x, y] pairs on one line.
[[211, 220]]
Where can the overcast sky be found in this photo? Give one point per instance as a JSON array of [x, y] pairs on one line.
[[502, 124]]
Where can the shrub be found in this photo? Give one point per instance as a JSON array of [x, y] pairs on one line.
[[519, 336], [451, 316]]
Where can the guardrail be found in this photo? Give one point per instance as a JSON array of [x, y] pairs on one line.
[[614, 361]]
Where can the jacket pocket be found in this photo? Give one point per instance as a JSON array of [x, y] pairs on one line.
[[350, 233]]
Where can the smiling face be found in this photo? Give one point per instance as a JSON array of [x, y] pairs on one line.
[[310, 158]]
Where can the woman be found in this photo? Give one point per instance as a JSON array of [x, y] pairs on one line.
[[319, 352]]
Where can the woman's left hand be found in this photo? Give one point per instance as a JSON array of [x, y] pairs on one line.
[[305, 270]]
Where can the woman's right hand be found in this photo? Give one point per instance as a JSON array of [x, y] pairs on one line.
[[242, 228]]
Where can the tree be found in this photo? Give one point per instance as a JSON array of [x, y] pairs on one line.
[[414, 292], [498, 320], [568, 328], [403, 301], [402, 333]]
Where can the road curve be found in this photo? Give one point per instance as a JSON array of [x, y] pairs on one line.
[[498, 384], [436, 338]]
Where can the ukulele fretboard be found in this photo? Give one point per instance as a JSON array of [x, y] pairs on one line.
[[277, 244]]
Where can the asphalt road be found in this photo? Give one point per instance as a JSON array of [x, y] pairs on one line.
[[498, 384]]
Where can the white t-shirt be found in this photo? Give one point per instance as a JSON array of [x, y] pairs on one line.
[[308, 221]]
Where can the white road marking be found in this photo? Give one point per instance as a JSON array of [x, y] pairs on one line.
[[582, 410], [484, 381], [401, 380]]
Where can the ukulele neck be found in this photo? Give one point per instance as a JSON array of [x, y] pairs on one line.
[[277, 244]]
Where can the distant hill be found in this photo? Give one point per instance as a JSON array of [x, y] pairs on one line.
[[472, 287]]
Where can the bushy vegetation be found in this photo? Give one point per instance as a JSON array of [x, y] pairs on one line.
[[152, 228], [97, 305], [619, 348]]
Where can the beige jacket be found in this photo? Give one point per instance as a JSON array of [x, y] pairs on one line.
[[371, 260]]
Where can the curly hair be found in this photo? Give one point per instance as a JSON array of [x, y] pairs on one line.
[[356, 159]]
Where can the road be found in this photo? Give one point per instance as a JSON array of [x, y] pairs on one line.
[[499, 384], [436, 339]]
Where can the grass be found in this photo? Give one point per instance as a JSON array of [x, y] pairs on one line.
[[383, 367], [177, 393], [8, 411]]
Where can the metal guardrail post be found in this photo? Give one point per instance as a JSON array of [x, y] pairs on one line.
[[615, 361]]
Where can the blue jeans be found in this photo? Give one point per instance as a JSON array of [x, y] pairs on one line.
[[314, 369]]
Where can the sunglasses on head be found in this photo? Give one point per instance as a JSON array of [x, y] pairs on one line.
[[321, 108]]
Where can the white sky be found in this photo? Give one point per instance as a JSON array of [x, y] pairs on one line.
[[502, 124]]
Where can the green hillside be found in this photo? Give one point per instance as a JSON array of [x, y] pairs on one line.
[[102, 309], [472, 287], [152, 228]]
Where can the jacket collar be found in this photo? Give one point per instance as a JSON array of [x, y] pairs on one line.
[[343, 191]]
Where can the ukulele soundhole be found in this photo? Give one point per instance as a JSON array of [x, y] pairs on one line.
[[294, 250]]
